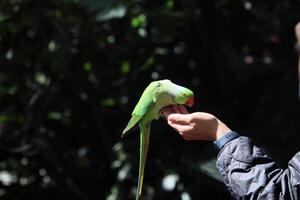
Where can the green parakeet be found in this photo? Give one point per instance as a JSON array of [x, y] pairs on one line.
[[156, 96]]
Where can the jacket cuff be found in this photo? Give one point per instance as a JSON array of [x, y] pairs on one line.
[[221, 142]]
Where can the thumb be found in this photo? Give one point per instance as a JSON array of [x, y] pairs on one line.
[[179, 118]]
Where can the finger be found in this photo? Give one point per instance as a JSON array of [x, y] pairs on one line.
[[176, 109], [180, 118], [168, 108], [182, 109], [182, 129], [165, 114]]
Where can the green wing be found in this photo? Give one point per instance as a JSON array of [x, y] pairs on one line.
[[132, 124], [143, 107]]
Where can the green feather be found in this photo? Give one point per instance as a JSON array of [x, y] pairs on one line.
[[144, 144], [132, 124], [144, 105]]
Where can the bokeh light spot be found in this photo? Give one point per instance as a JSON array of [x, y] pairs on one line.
[[169, 182]]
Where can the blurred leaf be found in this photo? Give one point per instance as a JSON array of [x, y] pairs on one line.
[[41, 78], [52, 46], [110, 39], [109, 102], [54, 115], [113, 194], [11, 118], [116, 12], [161, 51], [87, 66], [125, 67], [139, 21], [7, 178], [149, 62], [170, 4], [10, 90], [3, 118]]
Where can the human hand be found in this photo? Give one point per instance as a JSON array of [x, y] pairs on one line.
[[194, 126], [297, 31]]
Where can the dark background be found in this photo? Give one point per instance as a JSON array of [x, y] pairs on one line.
[[72, 71]]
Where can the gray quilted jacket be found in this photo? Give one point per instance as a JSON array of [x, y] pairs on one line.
[[251, 174]]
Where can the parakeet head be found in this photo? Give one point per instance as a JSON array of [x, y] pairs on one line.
[[182, 95]]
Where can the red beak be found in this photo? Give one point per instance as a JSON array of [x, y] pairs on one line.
[[190, 102]]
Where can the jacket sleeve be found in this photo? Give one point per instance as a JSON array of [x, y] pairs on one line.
[[250, 174]]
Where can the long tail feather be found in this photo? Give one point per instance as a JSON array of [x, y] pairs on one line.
[[144, 144]]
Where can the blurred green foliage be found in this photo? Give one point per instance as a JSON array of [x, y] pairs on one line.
[[71, 72]]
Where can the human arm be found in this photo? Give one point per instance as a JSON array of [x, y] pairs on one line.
[[248, 172]]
